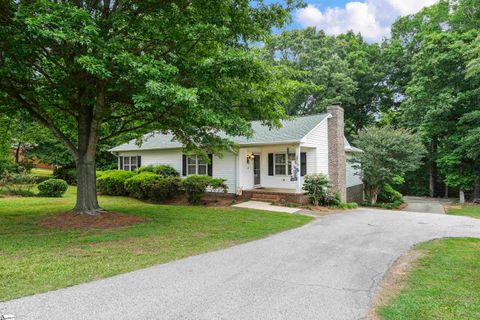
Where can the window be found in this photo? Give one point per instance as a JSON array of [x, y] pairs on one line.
[[129, 163], [196, 165], [280, 164]]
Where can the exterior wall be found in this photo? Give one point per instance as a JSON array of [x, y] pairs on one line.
[[318, 139], [355, 193], [353, 177], [222, 167]]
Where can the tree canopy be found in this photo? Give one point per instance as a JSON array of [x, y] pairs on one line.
[[90, 71]]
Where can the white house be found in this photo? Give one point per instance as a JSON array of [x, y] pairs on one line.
[[275, 160]]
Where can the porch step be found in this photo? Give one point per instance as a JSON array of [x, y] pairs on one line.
[[265, 197]]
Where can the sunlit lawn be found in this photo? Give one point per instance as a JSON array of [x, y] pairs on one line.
[[36, 259], [467, 210], [444, 286]]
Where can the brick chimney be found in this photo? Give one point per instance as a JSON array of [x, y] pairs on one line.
[[337, 164]]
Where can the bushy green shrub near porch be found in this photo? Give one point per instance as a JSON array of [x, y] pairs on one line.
[[137, 186], [113, 182], [163, 188], [151, 186], [52, 188], [195, 187], [162, 169], [317, 187]]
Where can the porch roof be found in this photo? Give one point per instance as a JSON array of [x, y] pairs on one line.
[[292, 131]]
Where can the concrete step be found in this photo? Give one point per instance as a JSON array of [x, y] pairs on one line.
[[265, 198]]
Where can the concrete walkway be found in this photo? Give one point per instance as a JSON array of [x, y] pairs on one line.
[[423, 204], [260, 205], [328, 269]]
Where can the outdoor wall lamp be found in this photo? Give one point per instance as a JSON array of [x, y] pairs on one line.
[[250, 157]]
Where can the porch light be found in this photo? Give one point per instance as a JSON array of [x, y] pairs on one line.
[[250, 157]]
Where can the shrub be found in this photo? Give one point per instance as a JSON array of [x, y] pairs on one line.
[[52, 188], [137, 186], [113, 182], [389, 195], [161, 169], [163, 188], [195, 187], [391, 206], [67, 173], [317, 188], [218, 185], [17, 183], [342, 205]]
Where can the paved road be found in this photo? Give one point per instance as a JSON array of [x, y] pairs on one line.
[[328, 269], [423, 204]]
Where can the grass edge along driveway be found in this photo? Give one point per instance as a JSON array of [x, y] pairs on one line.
[[465, 210], [36, 259], [444, 283]]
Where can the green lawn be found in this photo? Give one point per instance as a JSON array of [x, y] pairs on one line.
[[467, 210], [35, 259], [444, 285], [42, 172]]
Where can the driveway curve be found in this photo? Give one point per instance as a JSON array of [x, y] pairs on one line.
[[328, 269]]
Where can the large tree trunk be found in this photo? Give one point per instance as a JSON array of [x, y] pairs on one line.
[[87, 202], [476, 190], [88, 134], [462, 196], [433, 169]]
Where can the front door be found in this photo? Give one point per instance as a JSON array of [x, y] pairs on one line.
[[256, 170]]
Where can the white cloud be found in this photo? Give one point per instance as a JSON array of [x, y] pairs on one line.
[[371, 18]]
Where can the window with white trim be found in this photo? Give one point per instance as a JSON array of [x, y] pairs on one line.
[[129, 163], [283, 163], [196, 165]]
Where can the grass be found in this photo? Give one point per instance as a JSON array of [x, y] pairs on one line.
[[466, 210], [35, 259], [444, 285], [44, 173]]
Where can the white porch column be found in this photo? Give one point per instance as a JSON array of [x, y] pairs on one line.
[[297, 162]]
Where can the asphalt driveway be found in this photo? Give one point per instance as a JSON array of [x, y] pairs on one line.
[[329, 269], [424, 204]]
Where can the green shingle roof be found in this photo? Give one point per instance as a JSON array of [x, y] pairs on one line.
[[292, 130]]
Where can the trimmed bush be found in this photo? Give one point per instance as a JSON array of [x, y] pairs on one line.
[[161, 169], [113, 183], [67, 173], [137, 186], [345, 205], [389, 195], [52, 188], [317, 188], [162, 188], [195, 187]]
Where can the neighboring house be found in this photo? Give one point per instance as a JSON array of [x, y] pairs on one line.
[[264, 161]]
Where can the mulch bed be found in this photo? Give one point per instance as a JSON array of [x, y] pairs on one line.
[[103, 220], [209, 200]]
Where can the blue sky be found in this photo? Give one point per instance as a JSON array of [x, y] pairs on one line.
[[372, 18]]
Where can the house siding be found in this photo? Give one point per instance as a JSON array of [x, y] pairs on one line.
[[353, 175], [318, 138], [222, 167]]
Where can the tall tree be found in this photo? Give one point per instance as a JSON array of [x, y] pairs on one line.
[[91, 70], [342, 69], [432, 72]]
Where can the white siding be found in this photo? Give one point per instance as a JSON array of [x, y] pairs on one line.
[[353, 175], [318, 138], [222, 167]]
